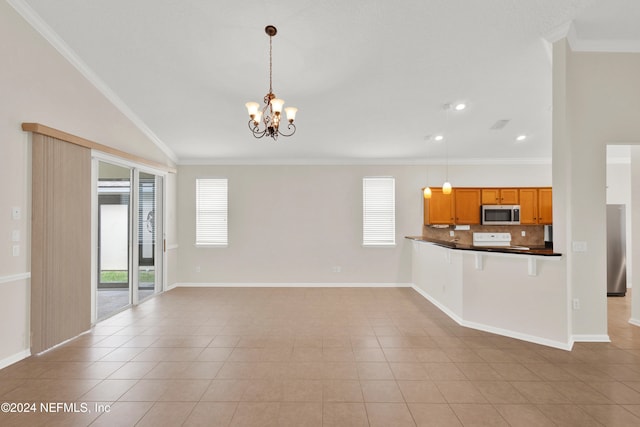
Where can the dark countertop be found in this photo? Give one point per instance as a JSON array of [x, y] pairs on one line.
[[503, 250]]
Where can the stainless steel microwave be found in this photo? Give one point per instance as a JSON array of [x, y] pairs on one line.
[[500, 214]]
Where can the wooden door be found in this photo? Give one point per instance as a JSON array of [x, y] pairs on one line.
[[528, 206], [509, 196], [467, 205], [439, 208], [490, 196], [545, 206]]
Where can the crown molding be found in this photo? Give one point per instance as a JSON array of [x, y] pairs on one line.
[[33, 19], [366, 162]]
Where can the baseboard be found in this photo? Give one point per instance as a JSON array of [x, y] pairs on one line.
[[635, 322], [491, 329], [289, 285], [590, 338], [459, 320], [8, 361]]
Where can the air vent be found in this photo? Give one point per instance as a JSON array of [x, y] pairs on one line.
[[500, 124]]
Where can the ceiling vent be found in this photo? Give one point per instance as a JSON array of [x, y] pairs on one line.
[[500, 124]]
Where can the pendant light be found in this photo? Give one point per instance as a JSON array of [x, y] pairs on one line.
[[446, 187]]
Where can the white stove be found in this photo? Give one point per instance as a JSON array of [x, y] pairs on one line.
[[492, 239]]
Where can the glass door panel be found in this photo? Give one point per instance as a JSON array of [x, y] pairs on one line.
[[114, 230], [149, 235]]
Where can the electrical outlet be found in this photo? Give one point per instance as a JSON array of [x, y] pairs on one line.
[[523, 233], [16, 212], [16, 250], [336, 269], [452, 233], [197, 269], [576, 304]]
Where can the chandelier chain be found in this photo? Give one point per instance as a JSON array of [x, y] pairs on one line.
[[270, 64]]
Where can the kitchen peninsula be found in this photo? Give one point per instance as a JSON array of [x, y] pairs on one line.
[[515, 292]]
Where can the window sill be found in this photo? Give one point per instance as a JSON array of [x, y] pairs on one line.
[[211, 245]]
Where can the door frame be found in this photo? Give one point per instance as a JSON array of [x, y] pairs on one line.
[[160, 253]]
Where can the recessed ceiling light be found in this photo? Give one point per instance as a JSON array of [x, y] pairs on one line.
[[521, 138], [460, 106], [438, 138]]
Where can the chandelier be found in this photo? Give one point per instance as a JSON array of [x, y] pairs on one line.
[[266, 121]]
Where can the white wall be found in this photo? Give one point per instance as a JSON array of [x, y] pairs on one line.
[[294, 223], [596, 102], [38, 85]]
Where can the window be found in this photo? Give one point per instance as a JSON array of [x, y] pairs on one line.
[[211, 211], [379, 211]]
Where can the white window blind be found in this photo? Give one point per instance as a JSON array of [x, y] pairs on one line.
[[211, 211], [379, 211]]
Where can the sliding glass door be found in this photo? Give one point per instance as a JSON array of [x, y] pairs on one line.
[[149, 228], [114, 231], [129, 237]]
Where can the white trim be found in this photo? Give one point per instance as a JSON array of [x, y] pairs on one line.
[[8, 361], [590, 338], [32, 17], [289, 285], [499, 331], [172, 247], [119, 161], [65, 341], [607, 46], [635, 322], [459, 320], [366, 162], [15, 277]]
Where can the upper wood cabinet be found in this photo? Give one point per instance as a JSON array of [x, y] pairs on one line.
[[528, 206], [500, 196], [440, 208], [545, 206], [536, 206], [467, 205], [462, 206]]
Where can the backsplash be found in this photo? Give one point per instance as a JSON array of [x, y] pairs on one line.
[[534, 237]]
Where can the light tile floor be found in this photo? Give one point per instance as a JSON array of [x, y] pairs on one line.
[[320, 357]]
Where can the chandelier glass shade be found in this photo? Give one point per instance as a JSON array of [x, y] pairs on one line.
[[266, 121]]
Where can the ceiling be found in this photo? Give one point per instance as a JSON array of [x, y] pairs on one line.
[[370, 77]]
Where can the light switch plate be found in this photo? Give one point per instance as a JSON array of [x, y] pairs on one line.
[[16, 212]]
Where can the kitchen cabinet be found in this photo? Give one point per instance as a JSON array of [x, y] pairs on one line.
[[440, 208], [545, 206], [467, 205], [500, 196], [536, 206], [462, 206], [528, 206]]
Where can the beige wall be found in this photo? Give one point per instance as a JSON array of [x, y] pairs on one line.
[[38, 85], [596, 102], [293, 224]]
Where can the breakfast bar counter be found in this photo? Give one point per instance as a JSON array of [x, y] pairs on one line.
[[520, 293]]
